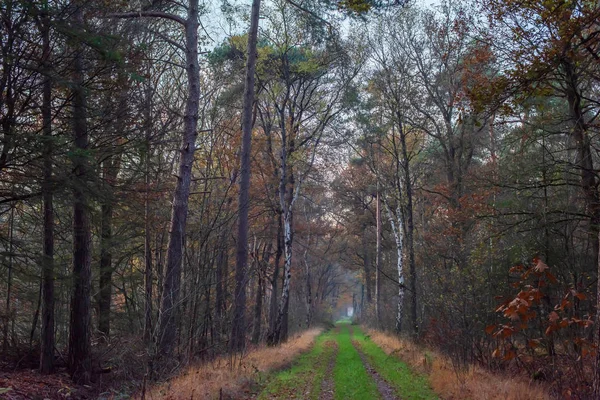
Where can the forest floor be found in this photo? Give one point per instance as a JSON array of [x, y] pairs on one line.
[[345, 364]]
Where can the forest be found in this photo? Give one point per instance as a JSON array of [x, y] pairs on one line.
[[183, 181]]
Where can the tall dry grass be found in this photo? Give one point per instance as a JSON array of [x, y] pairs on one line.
[[230, 377], [448, 383]]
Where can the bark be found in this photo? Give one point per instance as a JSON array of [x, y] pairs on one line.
[[80, 366], [257, 326], [278, 335], [105, 294], [596, 382], [409, 228], [378, 261], [238, 328], [110, 166], [397, 230], [47, 332], [366, 261], [275, 278], [172, 278], [308, 283], [589, 186], [148, 275], [147, 252], [7, 314]]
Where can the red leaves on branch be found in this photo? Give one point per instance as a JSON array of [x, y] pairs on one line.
[[530, 312]]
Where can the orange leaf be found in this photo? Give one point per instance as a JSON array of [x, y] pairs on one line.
[[553, 317], [490, 329], [496, 353]]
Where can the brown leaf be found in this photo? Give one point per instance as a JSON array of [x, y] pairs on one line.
[[540, 266]]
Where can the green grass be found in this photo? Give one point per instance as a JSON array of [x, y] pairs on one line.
[[408, 384], [303, 379], [351, 379]]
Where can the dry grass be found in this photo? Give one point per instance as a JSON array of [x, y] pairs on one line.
[[208, 380], [476, 383]]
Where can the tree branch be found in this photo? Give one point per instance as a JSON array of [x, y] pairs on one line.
[[147, 14]]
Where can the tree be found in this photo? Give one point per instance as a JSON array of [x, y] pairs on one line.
[[48, 274], [172, 280], [238, 327], [80, 364]]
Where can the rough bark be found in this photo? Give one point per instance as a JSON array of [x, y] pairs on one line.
[[308, 285], [260, 291], [47, 332], [7, 313], [589, 186], [110, 170], [378, 261], [409, 227], [79, 360], [238, 328], [275, 277], [179, 211], [147, 249]]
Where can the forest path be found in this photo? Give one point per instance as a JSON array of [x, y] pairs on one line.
[[345, 364]]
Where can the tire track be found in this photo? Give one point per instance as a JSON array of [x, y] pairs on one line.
[[328, 384], [386, 391]]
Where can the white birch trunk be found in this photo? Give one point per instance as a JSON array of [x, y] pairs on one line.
[[396, 223]]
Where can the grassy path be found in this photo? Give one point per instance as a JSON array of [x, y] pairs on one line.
[[345, 364]]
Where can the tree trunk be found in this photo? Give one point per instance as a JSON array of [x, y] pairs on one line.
[[309, 306], [80, 365], [409, 227], [258, 305], [397, 230], [589, 186], [105, 268], [8, 311], [172, 278], [238, 327], [278, 335], [47, 332], [275, 278], [366, 261], [147, 249], [110, 170], [378, 261]]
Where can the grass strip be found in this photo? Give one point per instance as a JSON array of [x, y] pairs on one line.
[[408, 384], [303, 379], [351, 379]]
